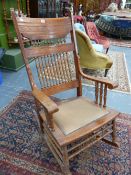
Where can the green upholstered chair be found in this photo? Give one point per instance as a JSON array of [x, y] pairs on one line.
[[98, 47], [89, 58]]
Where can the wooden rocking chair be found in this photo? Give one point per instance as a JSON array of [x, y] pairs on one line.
[[72, 125]]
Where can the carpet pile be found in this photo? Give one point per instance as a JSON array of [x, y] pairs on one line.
[[24, 152]]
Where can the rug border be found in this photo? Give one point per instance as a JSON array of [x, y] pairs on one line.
[[13, 100], [128, 76]]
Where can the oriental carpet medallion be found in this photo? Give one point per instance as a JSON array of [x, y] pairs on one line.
[[23, 150]]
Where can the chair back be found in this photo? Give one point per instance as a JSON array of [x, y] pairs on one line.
[[85, 49], [89, 57], [78, 19], [92, 31], [50, 42]]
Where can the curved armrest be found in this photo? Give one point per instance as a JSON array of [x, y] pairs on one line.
[[44, 100], [110, 84]]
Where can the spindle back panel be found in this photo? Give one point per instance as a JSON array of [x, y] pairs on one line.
[[50, 45]]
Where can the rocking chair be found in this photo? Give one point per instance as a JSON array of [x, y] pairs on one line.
[[72, 125]]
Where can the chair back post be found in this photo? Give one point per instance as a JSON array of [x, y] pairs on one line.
[[21, 43], [77, 61]]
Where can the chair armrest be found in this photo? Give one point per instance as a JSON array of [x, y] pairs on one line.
[[110, 84], [101, 86], [45, 101]]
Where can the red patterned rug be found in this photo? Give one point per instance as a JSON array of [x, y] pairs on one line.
[[24, 152]]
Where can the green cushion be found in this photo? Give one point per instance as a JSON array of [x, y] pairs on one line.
[[89, 58]]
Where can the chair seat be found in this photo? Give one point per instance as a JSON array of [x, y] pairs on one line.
[[98, 47], [77, 113]]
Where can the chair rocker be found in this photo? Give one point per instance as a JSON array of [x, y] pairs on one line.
[[72, 125]]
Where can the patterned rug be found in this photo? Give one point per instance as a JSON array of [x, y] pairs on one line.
[[24, 152], [118, 72], [120, 42]]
